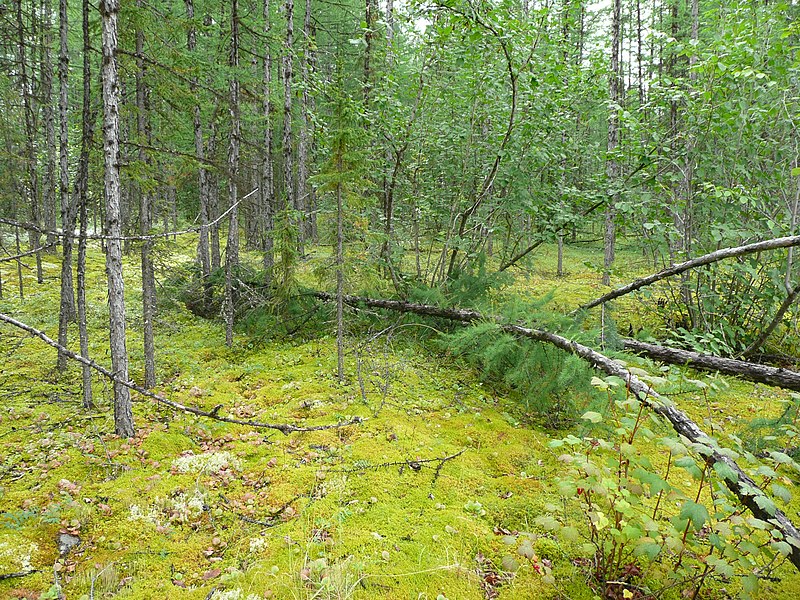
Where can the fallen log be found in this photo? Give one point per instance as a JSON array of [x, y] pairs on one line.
[[700, 261], [742, 486], [774, 376]]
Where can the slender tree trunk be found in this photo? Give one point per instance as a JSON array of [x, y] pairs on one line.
[[82, 186], [612, 166], [369, 34], [339, 272], [213, 200], [145, 212], [304, 191], [49, 191], [267, 173], [123, 412], [67, 307], [203, 253], [29, 110], [288, 167], [232, 248]]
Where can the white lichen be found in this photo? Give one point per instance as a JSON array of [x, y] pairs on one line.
[[233, 595], [17, 558], [257, 545], [208, 462]]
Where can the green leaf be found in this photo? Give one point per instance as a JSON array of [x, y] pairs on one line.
[[697, 513], [766, 505], [782, 493], [795, 171], [594, 417], [725, 471]]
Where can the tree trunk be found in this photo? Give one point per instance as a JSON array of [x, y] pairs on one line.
[[49, 192], [82, 187], [267, 173], [203, 253], [304, 191], [612, 166], [145, 213], [30, 143], [339, 272], [232, 248], [67, 306], [123, 412], [288, 167]]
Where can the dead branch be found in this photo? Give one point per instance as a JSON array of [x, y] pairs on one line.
[[764, 335], [700, 261], [774, 376], [745, 489], [4, 576], [124, 238], [213, 414], [28, 253]]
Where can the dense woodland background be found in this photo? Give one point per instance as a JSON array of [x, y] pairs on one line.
[[253, 162]]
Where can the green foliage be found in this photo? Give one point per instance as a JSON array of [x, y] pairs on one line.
[[548, 383], [637, 524]]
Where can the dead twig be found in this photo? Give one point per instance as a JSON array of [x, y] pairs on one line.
[[284, 428]]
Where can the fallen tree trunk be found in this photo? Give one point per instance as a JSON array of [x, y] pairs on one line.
[[774, 376], [745, 489], [700, 261]]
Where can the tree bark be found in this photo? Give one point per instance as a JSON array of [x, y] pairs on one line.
[[67, 305], [267, 173], [123, 412], [145, 213], [612, 165], [232, 248], [288, 167], [203, 252], [304, 190], [774, 376], [339, 271], [31, 159], [49, 191]]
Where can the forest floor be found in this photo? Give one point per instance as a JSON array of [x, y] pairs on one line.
[[193, 508]]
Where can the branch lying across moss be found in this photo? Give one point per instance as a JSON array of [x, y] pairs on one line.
[[742, 486], [700, 261], [212, 414]]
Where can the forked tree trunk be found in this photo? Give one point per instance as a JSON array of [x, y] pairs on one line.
[[123, 412]]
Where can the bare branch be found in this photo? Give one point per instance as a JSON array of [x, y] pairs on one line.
[[130, 238], [212, 414], [700, 261]]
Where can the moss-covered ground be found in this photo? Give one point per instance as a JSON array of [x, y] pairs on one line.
[[192, 508]]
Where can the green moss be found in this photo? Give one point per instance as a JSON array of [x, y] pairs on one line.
[[384, 530]]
